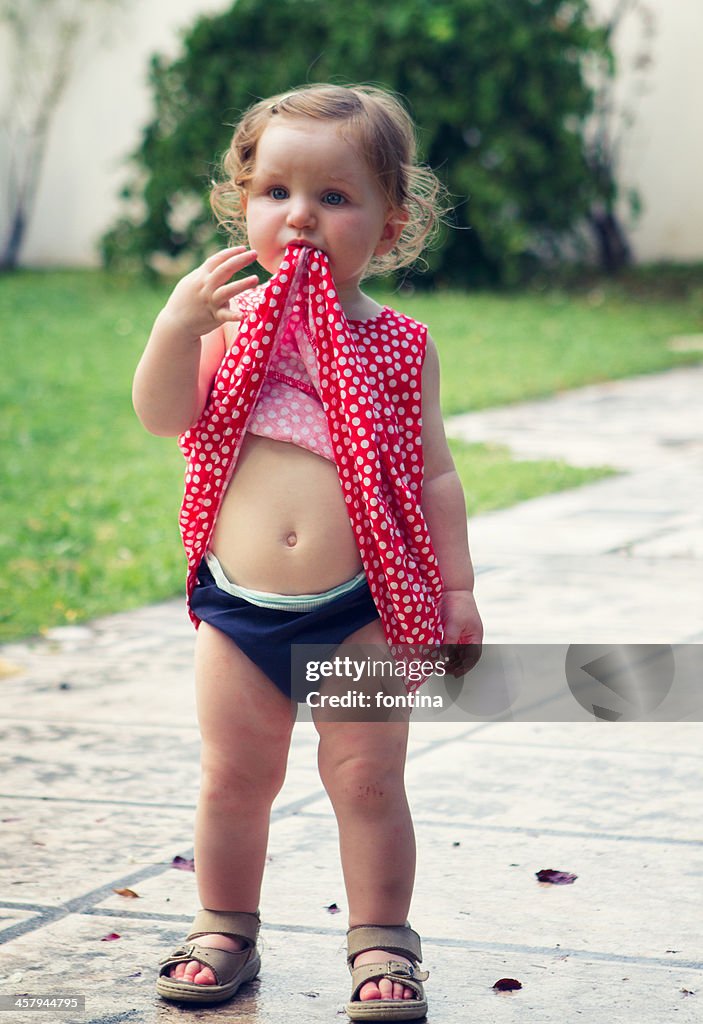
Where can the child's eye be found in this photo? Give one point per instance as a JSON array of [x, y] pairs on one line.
[[333, 198], [278, 192]]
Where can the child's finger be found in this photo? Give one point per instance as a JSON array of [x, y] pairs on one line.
[[223, 254], [233, 291], [232, 265], [229, 315], [462, 657], [229, 291]]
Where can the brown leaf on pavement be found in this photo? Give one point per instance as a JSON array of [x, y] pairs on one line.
[[507, 985]]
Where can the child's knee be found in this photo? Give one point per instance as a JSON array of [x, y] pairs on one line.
[[230, 780], [362, 780]]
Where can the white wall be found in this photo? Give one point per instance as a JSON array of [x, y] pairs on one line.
[[107, 102], [663, 149], [97, 125]]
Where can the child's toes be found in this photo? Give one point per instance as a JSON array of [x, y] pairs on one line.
[[369, 991], [192, 968], [193, 972], [385, 989], [204, 976], [391, 989]]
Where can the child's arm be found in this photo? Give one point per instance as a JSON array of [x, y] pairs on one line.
[[187, 343], [444, 509]]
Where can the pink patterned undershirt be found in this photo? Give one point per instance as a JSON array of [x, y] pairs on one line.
[[289, 407]]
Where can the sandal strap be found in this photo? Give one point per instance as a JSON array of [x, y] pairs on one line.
[[222, 962], [394, 970], [399, 939], [237, 924]]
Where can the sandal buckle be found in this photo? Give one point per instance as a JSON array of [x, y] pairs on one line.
[[405, 972], [182, 951]]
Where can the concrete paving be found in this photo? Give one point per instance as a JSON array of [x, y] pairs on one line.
[[100, 758], [618, 561]]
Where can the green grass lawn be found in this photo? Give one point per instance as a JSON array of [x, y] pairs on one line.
[[89, 500], [498, 349]]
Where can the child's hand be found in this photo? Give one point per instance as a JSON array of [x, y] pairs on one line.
[[200, 302], [463, 630]]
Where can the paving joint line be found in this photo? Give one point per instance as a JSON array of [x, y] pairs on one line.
[[95, 801], [563, 951], [79, 904], [83, 903], [501, 948], [601, 750], [645, 538], [80, 723], [536, 830]]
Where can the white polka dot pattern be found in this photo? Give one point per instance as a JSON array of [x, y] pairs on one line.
[[368, 375]]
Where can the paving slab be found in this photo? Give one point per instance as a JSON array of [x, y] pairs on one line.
[[100, 764], [627, 423], [617, 561]]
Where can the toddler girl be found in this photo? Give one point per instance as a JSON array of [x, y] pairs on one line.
[[321, 507]]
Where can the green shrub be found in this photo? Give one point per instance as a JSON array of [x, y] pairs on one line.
[[498, 90]]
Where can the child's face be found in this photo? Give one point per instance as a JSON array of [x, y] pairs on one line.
[[310, 185]]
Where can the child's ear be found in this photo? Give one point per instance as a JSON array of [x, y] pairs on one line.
[[392, 230]]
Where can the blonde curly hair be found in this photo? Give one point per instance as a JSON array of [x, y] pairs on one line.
[[373, 120]]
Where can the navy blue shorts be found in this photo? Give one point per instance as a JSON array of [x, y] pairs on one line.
[[266, 635]]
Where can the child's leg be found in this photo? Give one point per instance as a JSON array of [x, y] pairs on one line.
[[362, 768], [245, 725]]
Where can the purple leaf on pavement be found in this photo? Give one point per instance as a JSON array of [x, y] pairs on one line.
[[556, 877], [183, 864]]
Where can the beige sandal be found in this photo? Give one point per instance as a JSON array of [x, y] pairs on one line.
[[230, 969], [402, 941]]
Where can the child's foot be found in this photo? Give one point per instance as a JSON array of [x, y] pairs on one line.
[[201, 974], [384, 988]]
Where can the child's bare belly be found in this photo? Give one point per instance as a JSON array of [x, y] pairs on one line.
[[283, 525]]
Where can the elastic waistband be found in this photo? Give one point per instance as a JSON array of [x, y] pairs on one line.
[[281, 602]]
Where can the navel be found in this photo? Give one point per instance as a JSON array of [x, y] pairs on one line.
[[292, 539]]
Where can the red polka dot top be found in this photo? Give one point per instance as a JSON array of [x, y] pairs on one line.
[[368, 376]]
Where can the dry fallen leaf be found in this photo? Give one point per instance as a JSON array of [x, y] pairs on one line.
[[507, 985], [555, 877], [183, 864], [7, 668], [129, 893], [111, 937]]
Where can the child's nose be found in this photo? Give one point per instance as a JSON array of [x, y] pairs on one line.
[[300, 214]]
